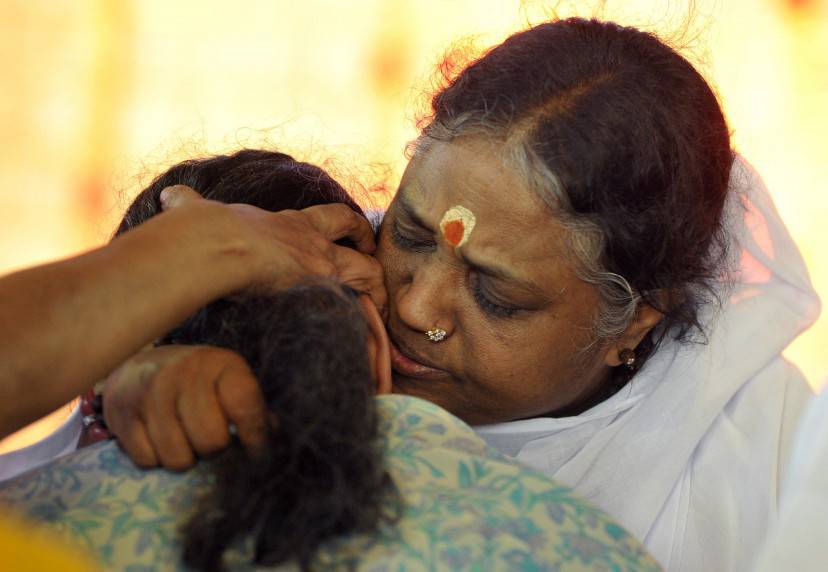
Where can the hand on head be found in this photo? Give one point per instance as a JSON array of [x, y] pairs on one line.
[[289, 245]]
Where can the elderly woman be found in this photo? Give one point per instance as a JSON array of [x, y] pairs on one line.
[[574, 265]]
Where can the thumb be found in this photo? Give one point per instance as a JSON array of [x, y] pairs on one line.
[[177, 195]]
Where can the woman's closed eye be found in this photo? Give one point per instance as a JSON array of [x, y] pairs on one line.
[[422, 241], [488, 303], [409, 240]]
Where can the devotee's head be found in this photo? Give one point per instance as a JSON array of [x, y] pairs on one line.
[[319, 351], [267, 179], [271, 181], [320, 474], [562, 205]]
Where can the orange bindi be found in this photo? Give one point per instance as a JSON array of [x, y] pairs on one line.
[[453, 231], [457, 225]]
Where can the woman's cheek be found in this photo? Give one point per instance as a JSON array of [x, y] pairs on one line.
[[395, 263], [385, 255]]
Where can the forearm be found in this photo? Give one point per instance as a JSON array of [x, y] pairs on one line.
[[67, 324]]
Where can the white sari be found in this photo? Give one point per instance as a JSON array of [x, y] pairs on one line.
[[798, 542], [688, 456]]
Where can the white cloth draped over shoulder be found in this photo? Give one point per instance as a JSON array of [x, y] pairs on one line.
[[61, 441], [798, 542], [689, 455]]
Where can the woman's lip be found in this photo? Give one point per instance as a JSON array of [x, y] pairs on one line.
[[409, 367]]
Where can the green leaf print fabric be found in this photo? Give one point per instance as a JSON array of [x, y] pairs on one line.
[[466, 507]]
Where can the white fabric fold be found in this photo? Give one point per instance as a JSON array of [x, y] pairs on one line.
[[798, 541], [688, 455], [61, 441]]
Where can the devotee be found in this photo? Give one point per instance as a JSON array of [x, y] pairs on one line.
[[317, 492], [576, 266]]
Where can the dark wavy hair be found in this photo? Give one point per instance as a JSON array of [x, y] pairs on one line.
[[321, 474], [269, 180], [626, 143]]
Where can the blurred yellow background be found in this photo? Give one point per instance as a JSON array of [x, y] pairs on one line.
[[100, 95]]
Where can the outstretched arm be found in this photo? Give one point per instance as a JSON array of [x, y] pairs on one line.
[[67, 324]]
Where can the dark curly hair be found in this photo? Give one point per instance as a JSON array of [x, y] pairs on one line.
[[321, 473], [625, 142]]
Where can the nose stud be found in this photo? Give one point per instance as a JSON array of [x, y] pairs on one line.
[[436, 334]]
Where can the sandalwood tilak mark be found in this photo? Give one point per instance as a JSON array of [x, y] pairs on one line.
[[457, 225]]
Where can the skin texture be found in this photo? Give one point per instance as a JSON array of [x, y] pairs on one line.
[[512, 343]]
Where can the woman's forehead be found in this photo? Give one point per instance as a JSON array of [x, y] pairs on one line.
[[471, 170], [511, 223]]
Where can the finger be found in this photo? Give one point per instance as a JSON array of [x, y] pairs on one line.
[[244, 405], [203, 420], [164, 428], [361, 272], [177, 195], [337, 221], [120, 409], [135, 442]]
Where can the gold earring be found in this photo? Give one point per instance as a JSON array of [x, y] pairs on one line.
[[627, 357], [436, 334]]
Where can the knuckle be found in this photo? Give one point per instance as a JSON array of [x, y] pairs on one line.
[[240, 394], [292, 216], [244, 407], [221, 357], [175, 379], [231, 360]]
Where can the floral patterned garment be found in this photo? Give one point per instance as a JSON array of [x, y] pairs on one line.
[[466, 508]]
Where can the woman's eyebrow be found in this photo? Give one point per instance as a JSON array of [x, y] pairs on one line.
[[501, 273], [410, 211]]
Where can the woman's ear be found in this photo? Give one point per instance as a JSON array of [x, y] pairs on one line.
[[646, 318], [379, 348]]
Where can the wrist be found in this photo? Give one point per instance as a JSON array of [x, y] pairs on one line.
[[210, 248]]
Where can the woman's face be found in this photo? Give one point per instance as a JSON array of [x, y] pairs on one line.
[[517, 317]]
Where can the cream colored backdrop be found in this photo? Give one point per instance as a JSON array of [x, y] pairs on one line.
[[99, 95]]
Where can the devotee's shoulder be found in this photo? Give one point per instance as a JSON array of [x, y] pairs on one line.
[[464, 505], [98, 499], [469, 505]]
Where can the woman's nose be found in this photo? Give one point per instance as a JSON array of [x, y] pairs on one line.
[[425, 302]]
